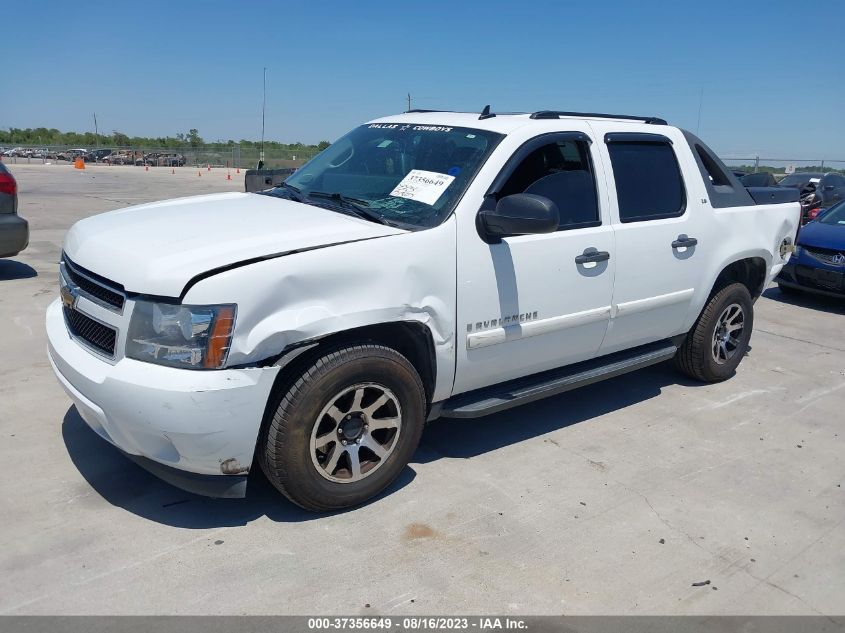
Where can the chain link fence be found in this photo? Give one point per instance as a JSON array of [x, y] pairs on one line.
[[234, 156], [247, 157], [782, 166]]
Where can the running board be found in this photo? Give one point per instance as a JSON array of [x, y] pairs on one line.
[[550, 383]]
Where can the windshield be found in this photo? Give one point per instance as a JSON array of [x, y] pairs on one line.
[[834, 215], [408, 174], [798, 179]]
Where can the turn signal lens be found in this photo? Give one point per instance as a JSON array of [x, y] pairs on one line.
[[220, 338]]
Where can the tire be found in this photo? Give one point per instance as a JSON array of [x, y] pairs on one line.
[[788, 290], [319, 408], [706, 354]]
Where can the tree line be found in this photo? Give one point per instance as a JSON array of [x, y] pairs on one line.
[[41, 136]]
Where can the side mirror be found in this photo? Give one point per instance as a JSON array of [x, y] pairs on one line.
[[518, 214]]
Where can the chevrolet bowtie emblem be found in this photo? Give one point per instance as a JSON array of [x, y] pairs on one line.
[[68, 292], [68, 298]]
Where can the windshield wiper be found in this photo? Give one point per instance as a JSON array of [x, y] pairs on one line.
[[295, 191], [358, 207], [292, 192]]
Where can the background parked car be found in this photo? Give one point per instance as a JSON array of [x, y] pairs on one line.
[[71, 154], [120, 157], [171, 160], [832, 189], [147, 159], [818, 264], [760, 179], [818, 191], [97, 155], [43, 153], [14, 230]]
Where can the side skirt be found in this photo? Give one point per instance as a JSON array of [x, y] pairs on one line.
[[513, 393]]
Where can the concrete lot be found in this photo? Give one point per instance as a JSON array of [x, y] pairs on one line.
[[613, 499]]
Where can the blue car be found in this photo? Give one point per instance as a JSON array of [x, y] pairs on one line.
[[818, 264]]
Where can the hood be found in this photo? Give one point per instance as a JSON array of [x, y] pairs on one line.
[[158, 248], [829, 236]]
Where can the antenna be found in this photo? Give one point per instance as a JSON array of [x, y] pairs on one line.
[[700, 101], [486, 114]]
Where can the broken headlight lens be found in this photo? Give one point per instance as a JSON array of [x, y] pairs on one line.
[[190, 337]]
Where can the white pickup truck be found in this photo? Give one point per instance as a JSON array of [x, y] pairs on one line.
[[431, 264]]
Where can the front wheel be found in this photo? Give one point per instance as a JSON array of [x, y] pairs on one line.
[[345, 429], [719, 339]]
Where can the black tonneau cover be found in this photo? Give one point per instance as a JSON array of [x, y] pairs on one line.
[[773, 195]]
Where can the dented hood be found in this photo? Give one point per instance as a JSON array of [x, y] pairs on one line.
[[158, 248]]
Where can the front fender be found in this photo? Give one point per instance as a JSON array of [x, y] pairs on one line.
[[409, 277]]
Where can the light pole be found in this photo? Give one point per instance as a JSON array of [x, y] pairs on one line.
[[263, 108]]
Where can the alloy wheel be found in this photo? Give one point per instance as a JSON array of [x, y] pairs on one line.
[[356, 432], [727, 334]]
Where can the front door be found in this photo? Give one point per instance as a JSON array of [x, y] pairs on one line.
[[536, 302]]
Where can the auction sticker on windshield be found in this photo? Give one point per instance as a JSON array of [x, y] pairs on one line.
[[423, 186]]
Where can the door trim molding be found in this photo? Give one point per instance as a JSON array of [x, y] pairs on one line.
[[660, 301], [519, 331]]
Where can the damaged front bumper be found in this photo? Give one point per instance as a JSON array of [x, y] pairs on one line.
[[194, 429]]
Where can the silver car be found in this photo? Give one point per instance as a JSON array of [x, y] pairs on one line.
[[14, 230]]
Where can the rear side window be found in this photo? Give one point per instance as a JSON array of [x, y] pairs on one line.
[[649, 185], [715, 173]]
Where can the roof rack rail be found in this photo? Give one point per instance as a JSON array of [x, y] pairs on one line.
[[484, 114], [556, 114]]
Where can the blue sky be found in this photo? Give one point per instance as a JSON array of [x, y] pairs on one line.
[[772, 73]]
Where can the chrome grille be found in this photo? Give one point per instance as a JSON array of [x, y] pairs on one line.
[[834, 258], [99, 336], [99, 289]]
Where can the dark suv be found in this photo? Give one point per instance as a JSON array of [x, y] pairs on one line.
[[832, 188], [818, 191]]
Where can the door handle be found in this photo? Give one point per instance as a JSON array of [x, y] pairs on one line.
[[684, 241], [590, 256]]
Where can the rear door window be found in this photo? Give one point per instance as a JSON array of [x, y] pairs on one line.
[[649, 185]]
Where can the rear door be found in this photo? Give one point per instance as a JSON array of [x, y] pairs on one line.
[[661, 238]]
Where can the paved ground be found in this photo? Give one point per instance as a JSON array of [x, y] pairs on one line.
[[613, 499]]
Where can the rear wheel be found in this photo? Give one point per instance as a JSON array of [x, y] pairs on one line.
[[719, 339], [345, 429]]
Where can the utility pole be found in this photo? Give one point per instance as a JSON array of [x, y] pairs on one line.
[[263, 108], [96, 133], [409, 102]]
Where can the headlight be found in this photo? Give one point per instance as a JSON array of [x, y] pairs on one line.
[[190, 337]]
